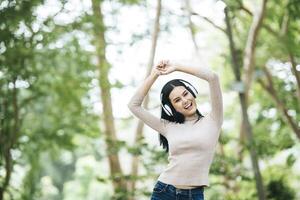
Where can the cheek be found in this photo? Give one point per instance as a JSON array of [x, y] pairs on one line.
[[177, 106], [194, 101]]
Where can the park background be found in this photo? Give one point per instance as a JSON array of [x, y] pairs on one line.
[[68, 69]]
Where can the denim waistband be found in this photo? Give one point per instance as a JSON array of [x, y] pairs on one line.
[[196, 190]]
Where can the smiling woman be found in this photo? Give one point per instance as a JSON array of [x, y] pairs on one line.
[[181, 95], [189, 141]]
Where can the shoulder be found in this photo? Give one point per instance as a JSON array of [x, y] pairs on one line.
[[215, 121]]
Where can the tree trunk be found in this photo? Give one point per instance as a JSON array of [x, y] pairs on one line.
[[105, 86], [11, 138], [249, 65], [296, 74], [191, 24], [8, 171], [249, 57], [243, 102], [250, 143], [140, 126], [282, 37]]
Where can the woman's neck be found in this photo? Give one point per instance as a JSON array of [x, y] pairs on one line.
[[192, 117]]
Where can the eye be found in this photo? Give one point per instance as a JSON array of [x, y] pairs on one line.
[[177, 100], [185, 94]]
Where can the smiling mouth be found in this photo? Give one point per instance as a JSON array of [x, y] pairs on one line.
[[188, 107]]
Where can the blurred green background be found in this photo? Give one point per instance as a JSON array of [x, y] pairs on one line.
[[68, 69]]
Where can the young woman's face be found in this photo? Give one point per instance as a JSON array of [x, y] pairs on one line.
[[183, 101]]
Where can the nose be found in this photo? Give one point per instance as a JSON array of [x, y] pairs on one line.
[[184, 101]]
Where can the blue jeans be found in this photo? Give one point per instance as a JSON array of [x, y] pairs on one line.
[[163, 191]]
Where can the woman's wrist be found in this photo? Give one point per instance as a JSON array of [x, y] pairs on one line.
[[153, 75], [177, 67]]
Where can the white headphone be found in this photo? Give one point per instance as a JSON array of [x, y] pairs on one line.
[[190, 86], [167, 108]]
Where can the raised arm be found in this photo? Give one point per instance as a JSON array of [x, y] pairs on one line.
[[214, 87], [135, 104]]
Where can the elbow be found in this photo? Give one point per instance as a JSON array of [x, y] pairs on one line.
[[214, 77], [130, 105], [221, 120]]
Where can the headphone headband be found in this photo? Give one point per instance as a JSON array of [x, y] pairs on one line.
[[190, 86]]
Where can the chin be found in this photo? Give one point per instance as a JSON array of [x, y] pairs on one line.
[[193, 111]]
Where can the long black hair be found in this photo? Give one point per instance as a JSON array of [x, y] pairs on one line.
[[176, 117]]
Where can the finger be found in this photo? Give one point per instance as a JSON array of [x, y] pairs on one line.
[[167, 62], [161, 69]]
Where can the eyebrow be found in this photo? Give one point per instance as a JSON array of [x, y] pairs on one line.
[[178, 97]]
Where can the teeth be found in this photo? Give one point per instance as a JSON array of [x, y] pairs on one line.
[[188, 106]]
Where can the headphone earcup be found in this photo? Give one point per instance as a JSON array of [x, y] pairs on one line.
[[167, 109]]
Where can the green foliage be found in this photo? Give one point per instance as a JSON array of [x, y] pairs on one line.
[[51, 86], [294, 9], [278, 190], [278, 187], [50, 129], [269, 141], [291, 159]]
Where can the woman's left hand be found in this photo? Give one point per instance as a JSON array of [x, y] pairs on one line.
[[165, 67]]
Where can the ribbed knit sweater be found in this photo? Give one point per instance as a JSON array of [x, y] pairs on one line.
[[191, 144]]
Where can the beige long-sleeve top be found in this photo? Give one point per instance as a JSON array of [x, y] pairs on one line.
[[191, 145]]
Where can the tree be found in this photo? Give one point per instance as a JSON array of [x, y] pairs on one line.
[[105, 86], [139, 129]]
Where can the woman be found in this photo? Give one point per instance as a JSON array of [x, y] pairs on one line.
[[189, 137]]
